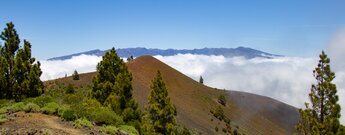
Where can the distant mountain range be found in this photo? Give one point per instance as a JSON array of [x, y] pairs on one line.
[[140, 51]]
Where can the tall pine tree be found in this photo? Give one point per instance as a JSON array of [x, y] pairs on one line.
[[160, 110], [113, 87], [322, 117], [19, 72]]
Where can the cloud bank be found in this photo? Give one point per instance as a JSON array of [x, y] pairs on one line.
[[287, 79], [60, 68]]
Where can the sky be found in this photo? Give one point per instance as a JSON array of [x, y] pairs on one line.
[[285, 27]]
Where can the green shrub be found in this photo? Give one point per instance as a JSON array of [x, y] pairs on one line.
[[129, 129], [219, 113], [61, 110], [4, 109], [50, 108], [5, 102], [112, 130], [16, 107], [43, 100], [222, 99], [3, 118], [72, 98], [182, 130], [69, 115], [227, 121], [91, 104], [106, 116], [69, 89], [82, 122], [32, 107]]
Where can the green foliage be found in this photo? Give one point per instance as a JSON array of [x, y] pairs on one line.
[[322, 117], [4, 109], [50, 108], [222, 99], [31, 107], [112, 130], [43, 100], [19, 73], [182, 130], [146, 126], [69, 115], [219, 113], [17, 107], [70, 89], [128, 129], [75, 75], [112, 87], [106, 116], [61, 110], [3, 118], [72, 99], [82, 122], [160, 110]]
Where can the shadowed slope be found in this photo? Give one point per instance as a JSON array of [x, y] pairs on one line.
[[253, 114]]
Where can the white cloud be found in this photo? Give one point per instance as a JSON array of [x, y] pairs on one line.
[[287, 79], [59, 68]]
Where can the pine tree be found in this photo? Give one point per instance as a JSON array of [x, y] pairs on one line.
[[322, 117], [161, 111], [113, 87], [201, 80], [20, 74], [75, 75]]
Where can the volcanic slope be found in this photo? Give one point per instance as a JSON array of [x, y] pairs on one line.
[[252, 114]]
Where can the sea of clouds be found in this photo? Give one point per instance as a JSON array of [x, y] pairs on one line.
[[287, 79]]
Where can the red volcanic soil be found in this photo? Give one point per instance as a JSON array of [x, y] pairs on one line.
[[253, 114]]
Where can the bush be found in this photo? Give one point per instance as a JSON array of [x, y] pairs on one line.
[[3, 118], [16, 107], [129, 129], [222, 100], [72, 99], [219, 113], [43, 100], [75, 75], [227, 121], [69, 115], [82, 122], [60, 111], [5, 102], [4, 109], [32, 107], [106, 116], [69, 89], [182, 130], [112, 130], [50, 108]]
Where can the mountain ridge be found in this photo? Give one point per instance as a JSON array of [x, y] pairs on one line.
[[141, 51], [253, 114]]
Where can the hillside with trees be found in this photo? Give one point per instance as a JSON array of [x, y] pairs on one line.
[[146, 96]]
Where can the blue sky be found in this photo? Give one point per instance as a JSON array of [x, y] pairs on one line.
[[287, 27]]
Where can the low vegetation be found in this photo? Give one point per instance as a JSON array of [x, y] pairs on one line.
[[108, 103]]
